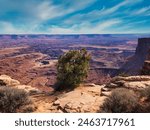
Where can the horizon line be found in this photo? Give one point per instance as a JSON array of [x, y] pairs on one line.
[[76, 34]]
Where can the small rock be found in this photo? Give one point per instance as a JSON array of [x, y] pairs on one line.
[[105, 89], [111, 85], [57, 102], [105, 94]]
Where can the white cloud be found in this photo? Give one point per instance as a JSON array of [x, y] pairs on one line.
[[86, 28], [108, 23], [47, 10], [143, 11], [37, 11], [114, 8], [9, 28], [83, 28], [118, 6], [101, 14], [61, 30]]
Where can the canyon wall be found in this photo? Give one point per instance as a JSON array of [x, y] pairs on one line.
[[134, 65], [146, 66]]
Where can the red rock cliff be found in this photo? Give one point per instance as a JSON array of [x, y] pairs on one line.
[[135, 63]]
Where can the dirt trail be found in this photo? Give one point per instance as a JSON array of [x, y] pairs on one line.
[[43, 101]]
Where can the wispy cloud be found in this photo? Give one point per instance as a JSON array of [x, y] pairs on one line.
[[47, 10], [86, 27], [103, 13], [9, 28], [73, 16], [114, 8], [38, 10], [143, 11], [118, 6]]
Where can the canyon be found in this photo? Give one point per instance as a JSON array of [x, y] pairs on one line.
[[32, 59], [29, 62]]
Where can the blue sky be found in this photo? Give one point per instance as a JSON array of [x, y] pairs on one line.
[[74, 16]]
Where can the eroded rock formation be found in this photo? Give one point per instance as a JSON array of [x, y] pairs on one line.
[[146, 66], [135, 63]]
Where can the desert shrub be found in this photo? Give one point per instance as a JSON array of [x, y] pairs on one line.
[[72, 69], [12, 99], [121, 100], [27, 108], [146, 93], [145, 103]]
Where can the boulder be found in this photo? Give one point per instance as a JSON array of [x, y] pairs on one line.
[[8, 81]]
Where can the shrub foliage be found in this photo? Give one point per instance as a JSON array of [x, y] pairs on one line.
[[146, 92], [121, 101], [11, 99], [72, 69]]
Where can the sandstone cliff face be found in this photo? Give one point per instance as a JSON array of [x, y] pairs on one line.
[[135, 63], [146, 66], [143, 47]]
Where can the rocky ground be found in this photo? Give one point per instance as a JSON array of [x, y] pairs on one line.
[[86, 98]]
